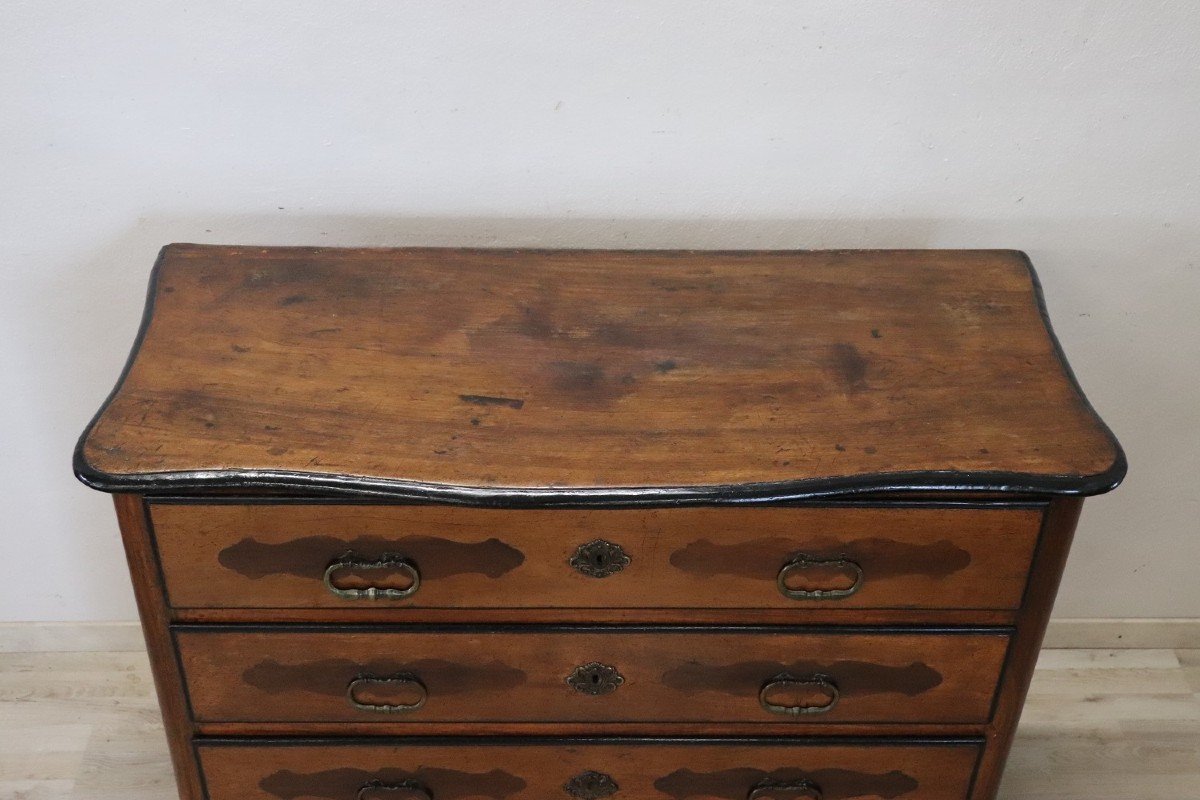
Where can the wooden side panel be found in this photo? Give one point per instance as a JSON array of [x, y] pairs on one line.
[[168, 679], [638, 770], [663, 675], [1031, 627], [275, 555]]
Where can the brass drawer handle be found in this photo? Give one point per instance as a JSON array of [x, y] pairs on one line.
[[403, 790], [367, 681], [800, 790], [802, 562], [822, 683], [391, 562]]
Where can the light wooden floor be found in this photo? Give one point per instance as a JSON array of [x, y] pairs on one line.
[[1100, 724]]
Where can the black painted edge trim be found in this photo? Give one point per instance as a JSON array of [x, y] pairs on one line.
[[668, 629], [974, 771], [1005, 664], [808, 740], [1017, 503], [151, 483]]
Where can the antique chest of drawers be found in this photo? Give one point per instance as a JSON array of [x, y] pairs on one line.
[[432, 524]]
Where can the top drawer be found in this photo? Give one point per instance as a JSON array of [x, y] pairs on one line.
[[326, 555]]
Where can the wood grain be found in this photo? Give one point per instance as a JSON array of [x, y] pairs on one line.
[[273, 556], [642, 771], [1045, 574], [168, 677], [668, 674], [507, 376]]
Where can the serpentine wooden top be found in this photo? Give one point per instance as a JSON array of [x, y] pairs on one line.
[[526, 377]]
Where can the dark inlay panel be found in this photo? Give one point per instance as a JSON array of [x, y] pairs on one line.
[[643, 771], [275, 556], [885, 558], [307, 557], [332, 676], [667, 675], [853, 678], [336, 784], [827, 783]]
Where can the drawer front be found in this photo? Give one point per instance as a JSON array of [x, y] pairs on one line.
[[588, 770], [647, 675], [346, 556]]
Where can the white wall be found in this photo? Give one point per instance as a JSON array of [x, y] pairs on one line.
[[1068, 129]]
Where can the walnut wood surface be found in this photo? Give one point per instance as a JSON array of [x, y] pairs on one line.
[[505, 376], [520, 676], [641, 770], [1044, 578], [274, 556], [152, 610]]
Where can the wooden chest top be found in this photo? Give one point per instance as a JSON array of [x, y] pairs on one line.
[[526, 377]]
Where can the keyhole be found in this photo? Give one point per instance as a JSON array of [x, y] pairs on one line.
[[595, 678], [599, 559]]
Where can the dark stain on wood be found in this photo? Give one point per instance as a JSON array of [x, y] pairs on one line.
[[746, 678], [488, 400], [317, 278], [849, 365], [834, 784], [444, 784], [307, 557], [331, 676], [588, 357], [533, 321], [880, 558], [572, 377]]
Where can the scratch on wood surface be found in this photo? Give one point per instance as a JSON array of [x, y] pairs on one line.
[[488, 400]]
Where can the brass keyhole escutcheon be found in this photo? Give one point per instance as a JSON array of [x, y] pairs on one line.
[[599, 558], [595, 678], [591, 785]]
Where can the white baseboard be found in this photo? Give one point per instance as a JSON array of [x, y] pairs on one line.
[[70, 637], [1103, 634], [1182, 633]]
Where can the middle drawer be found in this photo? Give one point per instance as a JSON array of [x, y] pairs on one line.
[[751, 675]]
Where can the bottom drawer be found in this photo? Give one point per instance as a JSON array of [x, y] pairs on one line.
[[591, 769]]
